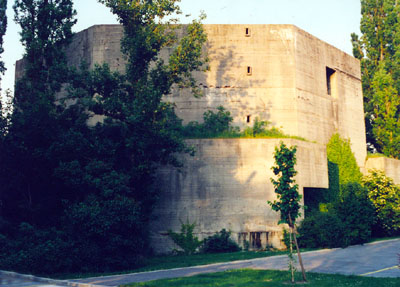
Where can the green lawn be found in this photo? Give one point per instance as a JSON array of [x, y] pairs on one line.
[[258, 278], [170, 261]]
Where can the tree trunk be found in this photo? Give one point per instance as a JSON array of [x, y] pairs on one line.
[[298, 250], [291, 253]]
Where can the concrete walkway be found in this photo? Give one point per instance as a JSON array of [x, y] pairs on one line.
[[378, 259]]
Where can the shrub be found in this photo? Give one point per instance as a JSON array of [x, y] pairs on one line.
[[38, 251], [321, 229], [385, 196], [215, 125], [219, 243], [217, 122], [356, 212], [185, 239], [348, 221], [218, 125]]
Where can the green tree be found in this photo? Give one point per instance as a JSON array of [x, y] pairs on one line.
[[288, 197], [3, 28], [92, 185], [378, 48], [27, 166], [386, 109]]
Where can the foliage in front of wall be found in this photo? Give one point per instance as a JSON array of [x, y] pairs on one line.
[[385, 196], [355, 210], [321, 229], [215, 124], [76, 197], [339, 152], [348, 220], [219, 125], [319, 199], [186, 240], [288, 197], [220, 243]]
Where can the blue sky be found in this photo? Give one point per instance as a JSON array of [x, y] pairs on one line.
[[330, 20]]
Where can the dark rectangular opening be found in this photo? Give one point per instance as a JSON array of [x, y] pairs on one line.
[[248, 118], [329, 77], [255, 240], [247, 32], [249, 70]]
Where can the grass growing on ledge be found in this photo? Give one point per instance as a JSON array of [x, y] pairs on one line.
[[377, 154], [246, 134], [218, 125], [262, 278]]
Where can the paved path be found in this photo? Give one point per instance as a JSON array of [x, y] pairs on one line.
[[378, 259], [10, 281]]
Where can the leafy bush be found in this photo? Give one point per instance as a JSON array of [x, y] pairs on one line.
[[185, 239], [260, 129], [356, 212], [32, 250], [348, 221], [219, 243], [385, 196], [218, 125], [321, 229], [215, 124], [95, 236]]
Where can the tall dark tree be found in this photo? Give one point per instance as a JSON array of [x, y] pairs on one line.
[[85, 192], [26, 173], [378, 48], [3, 28]]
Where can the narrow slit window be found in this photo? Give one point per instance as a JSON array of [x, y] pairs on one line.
[[248, 32], [330, 81], [248, 118], [249, 70]]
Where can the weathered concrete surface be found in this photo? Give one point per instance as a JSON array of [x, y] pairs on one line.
[[390, 166], [287, 83], [227, 185]]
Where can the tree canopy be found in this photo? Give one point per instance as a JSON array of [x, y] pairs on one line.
[[3, 28], [288, 202], [378, 48], [79, 190]]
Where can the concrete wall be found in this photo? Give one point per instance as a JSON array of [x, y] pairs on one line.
[[287, 84], [390, 166], [321, 114], [227, 185]]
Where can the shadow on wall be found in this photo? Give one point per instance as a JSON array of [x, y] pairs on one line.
[[225, 185], [229, 83]]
